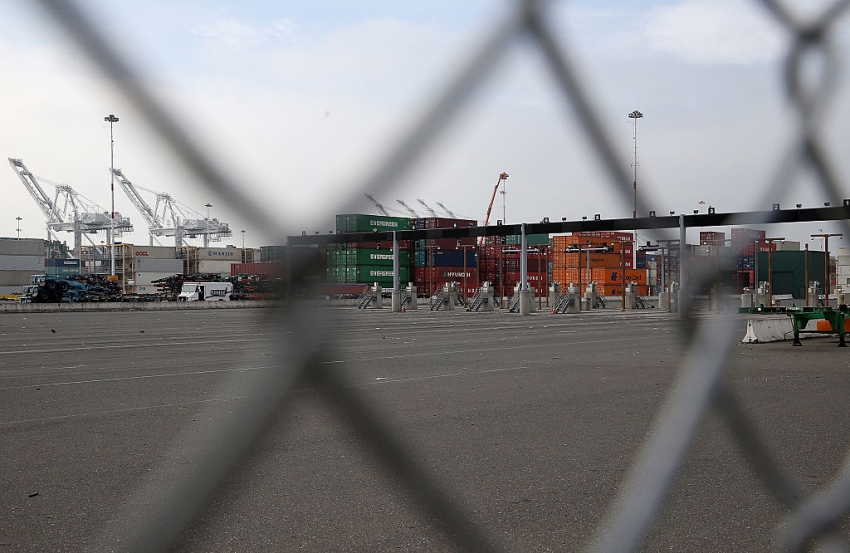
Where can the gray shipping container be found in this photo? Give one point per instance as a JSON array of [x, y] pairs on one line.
[[148, 265], [155, 252], [232, 255], [17, 278], [22, 263], [24, 246], [219, 266]]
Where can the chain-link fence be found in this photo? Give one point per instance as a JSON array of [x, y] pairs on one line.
[[155, 517]]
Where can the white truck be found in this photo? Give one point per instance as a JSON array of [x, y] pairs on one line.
[[206, 291]]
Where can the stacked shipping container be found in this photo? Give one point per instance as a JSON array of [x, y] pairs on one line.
[[500, 265], [609, 269], [368, 262], [439, 261]]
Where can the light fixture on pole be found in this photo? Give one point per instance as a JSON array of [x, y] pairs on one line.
[[634, 116], [770, 246], [111, 119], [18, 219], [825, 237], [207, 234]]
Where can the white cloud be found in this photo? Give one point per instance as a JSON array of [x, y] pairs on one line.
[[714, 32], [230, 34]]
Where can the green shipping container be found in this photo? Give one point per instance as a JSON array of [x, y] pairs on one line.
[[355, 222], [531, 239], [380, 274], [365, 257]]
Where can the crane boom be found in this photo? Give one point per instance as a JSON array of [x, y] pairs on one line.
[[35, 190], [141, 205], [431, 211], [378, 205], [69, 211], [407, 207], [503, 176], [447, 210]]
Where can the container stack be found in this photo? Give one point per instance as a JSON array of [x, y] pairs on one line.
[[19, 260], [368, 262], [610, 270], [62, 268], [744, 247], [439, 261], [499, 264]]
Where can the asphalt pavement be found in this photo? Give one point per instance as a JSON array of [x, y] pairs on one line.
[[526, 424]]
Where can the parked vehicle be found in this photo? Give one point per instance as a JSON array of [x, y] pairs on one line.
[[206, 291]]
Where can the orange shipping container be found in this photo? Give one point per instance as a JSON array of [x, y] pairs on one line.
[[617, 290], [603, 260], [564, 276], [617, 276]]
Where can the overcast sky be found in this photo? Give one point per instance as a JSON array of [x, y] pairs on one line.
[[300, 101]]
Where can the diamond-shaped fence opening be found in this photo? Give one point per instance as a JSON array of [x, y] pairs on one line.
[[154, 517]]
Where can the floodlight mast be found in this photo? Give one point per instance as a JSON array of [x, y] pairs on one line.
[[111, 119]]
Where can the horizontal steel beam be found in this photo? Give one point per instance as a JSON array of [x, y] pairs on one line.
[[643, 223]]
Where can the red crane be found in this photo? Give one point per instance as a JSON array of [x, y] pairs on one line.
[[502, 176]]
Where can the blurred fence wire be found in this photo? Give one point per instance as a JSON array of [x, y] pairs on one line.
[[155, 518]]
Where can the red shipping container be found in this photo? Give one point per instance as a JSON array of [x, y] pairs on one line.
[[429, 279], [443, 222], [712, 238], [271, 270]]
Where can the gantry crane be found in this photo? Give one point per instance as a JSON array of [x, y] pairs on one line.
[[407, 207], [447, 210], [68, 211], [431, 211], [381, 209], [170, 218], [502, 177]]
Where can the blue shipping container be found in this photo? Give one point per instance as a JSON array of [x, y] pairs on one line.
[[446, 258]]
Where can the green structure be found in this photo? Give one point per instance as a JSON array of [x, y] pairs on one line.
[[789, 271]]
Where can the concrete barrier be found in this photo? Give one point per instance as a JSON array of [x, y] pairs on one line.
[[774, 329], [11, 307]]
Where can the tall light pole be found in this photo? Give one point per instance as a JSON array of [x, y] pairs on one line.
[[207, 235], [825, 237], [243, 239], [111, 119], [634, 116], [18, 219], [769, 242]]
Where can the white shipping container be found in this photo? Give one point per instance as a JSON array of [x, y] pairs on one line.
[[149, 277], [22, 263], [17, 278], [842, 261], [232, 255], [24, 246], [219, 266], [155, 252], [146, 265]]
